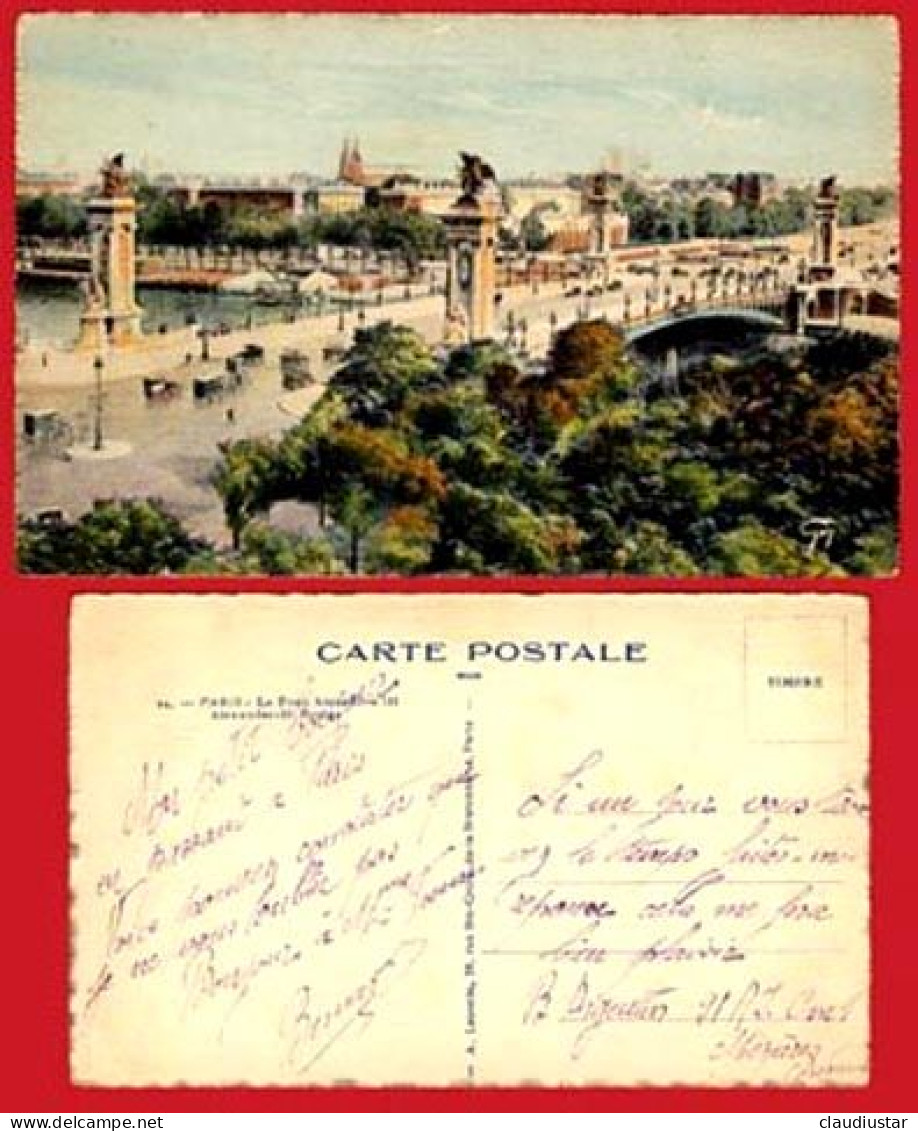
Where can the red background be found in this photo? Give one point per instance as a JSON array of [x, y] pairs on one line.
[[34, 821]]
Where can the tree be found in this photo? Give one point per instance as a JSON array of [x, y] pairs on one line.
[[643, 213], [385, 363], [587, 358], [124, 536], [481, 466], [403, 542], [491, 532], [475, 361], [51, 216], [876, 552], [301, 468], [380, 461], [648, 550], [266, 550], [533, 233], [711, 218], [858, 205], [412, 234], [355, 510], [246, 479], [751, 550], [465, 434]]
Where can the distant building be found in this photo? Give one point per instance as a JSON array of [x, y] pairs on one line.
[[722, 181], [30, 184], [353, 170], [350, 163], [278, 195], [567, 235], [601, 203], [525, 196], [336, 198], [405, 193], [754, 189]]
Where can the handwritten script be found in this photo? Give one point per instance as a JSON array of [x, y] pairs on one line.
[[286, 872]]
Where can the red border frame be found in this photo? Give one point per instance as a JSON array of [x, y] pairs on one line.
[[33, 615]]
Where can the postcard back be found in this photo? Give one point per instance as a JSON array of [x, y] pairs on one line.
[[470, 839]]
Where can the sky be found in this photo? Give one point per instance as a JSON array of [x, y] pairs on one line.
[[272, 94]]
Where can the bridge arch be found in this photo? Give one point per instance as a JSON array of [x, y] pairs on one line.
[[695, 324]]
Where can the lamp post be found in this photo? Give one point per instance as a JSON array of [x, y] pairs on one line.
[[98, 366]]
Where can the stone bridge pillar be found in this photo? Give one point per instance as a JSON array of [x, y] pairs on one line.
[[471, 274], [111, 315]]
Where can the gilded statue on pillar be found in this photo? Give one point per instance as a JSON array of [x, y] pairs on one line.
[[474, 175], [115, 181]]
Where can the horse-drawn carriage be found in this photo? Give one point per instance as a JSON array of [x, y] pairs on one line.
[[209, 388], [160, 389], [43, 426], [295, 369]]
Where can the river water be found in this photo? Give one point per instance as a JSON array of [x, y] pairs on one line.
[[49, 313]]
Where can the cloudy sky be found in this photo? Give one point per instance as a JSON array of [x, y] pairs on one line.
[[239, 93]]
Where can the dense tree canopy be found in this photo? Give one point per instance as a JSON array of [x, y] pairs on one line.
[[129, 536], [776, 464], [769, 464], [663, 219], [57, 217]]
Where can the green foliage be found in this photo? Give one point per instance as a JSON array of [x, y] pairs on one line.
[[266, 550], [475, 361], [754, 551], [55, 217], [533, 233], [409, 234], [263, 549], [164, 218], [876, 553], [491, 532], [648, 551], [402, 543], [478, 465], [355, 511], [244, 478], [385, 363], [127, 536], [864, 205], [654, 219]]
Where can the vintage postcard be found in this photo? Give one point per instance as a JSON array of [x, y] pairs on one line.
[[442, 840], [457, 294]]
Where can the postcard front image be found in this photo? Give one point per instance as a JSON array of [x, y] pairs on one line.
[[397, 299]]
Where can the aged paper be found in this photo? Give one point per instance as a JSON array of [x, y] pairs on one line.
[[470, 839]]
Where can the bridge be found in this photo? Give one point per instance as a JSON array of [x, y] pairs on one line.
[[751, 310], [765, 313]]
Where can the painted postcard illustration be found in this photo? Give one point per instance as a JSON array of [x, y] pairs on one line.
[[457, 295]]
